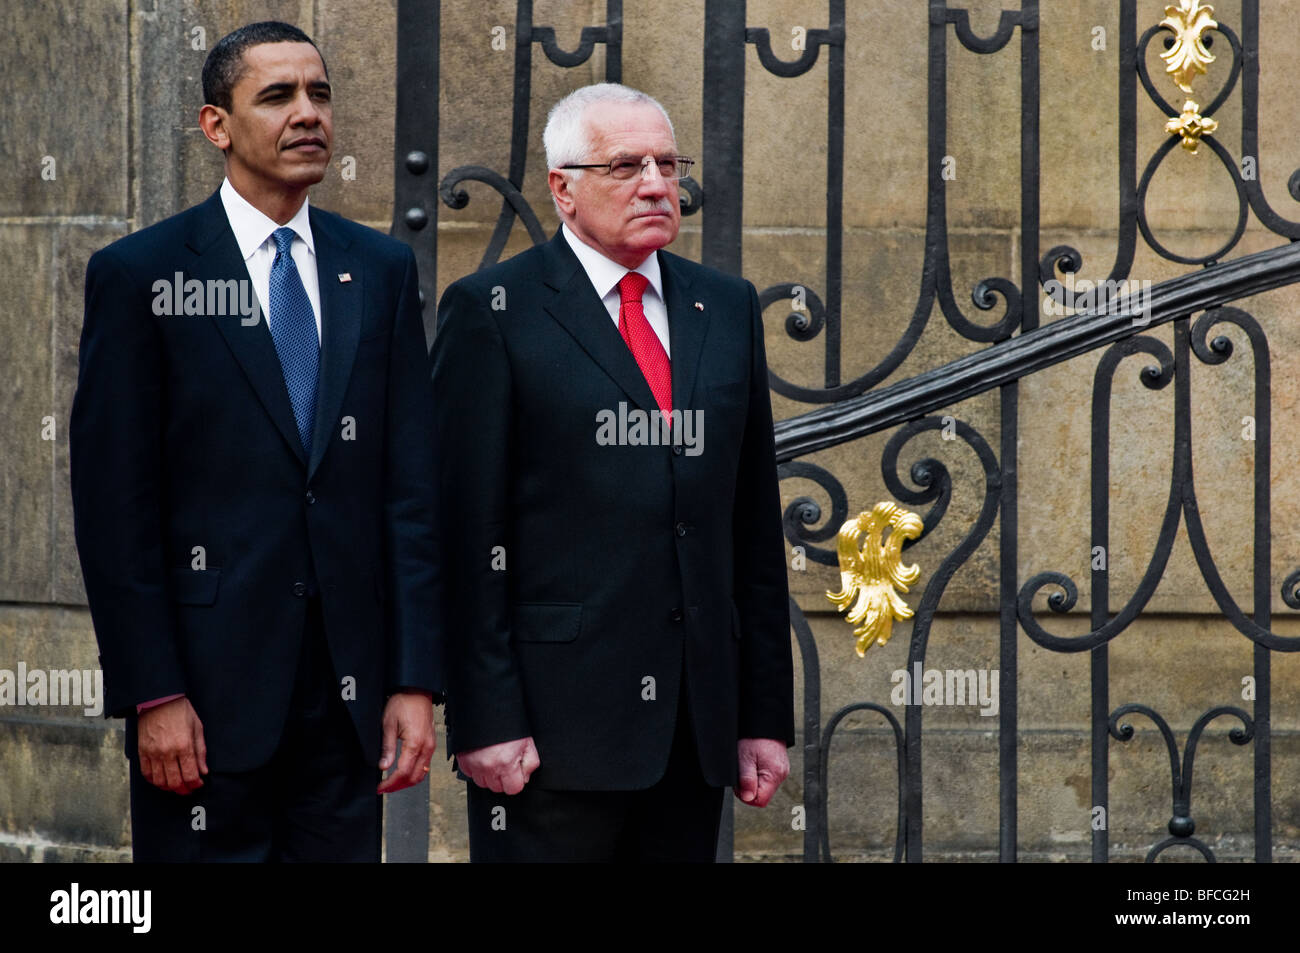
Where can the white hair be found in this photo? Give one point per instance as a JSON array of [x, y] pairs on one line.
[[567, 137]]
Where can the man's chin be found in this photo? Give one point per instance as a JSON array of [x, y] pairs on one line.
[[657, 232], [304, 176]]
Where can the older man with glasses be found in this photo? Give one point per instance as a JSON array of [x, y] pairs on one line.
[[619, 648]]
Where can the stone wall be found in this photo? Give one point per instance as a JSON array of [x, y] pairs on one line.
[[99, 137]]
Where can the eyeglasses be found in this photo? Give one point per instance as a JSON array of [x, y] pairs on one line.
[[625, 168]]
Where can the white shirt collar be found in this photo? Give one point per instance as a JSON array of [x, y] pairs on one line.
[[605, 273], [252, 228]]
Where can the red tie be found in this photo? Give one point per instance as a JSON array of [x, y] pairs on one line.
[[642, 340]]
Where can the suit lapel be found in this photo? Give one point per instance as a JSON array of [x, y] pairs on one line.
[[217, 258], [574, 305], [341, 311], [686, 330]]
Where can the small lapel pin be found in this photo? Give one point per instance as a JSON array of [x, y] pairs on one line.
[[345, 276], [699, 306]]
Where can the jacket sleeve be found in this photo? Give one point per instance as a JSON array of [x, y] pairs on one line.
[[761, 589], [412, 560], [472, 401], [115, 450]]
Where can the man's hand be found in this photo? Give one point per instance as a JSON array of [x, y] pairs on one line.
[[172, 751], [763, 766], [408, 716], [504, 768]]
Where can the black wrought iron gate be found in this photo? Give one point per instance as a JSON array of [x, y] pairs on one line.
[[1118, 319]]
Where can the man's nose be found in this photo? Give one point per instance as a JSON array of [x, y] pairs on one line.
[[306, 112], [652, 180]]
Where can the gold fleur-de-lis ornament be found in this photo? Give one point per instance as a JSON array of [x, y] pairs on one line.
[[872, 572], [1188, 57]]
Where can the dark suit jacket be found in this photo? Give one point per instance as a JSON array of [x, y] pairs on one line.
[[183, 436], [620, 561]]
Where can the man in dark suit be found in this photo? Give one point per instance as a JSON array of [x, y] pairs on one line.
[[254, 494], [618, 647]]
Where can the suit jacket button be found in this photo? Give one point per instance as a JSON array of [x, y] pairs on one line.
[[677, 450], [300, 589], [681, 529], [311, 497], [676, 615]]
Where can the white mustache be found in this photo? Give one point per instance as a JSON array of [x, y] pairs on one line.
[[657, 206]]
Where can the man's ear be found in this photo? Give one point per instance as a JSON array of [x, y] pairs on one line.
[[212, 120], [559, 185]]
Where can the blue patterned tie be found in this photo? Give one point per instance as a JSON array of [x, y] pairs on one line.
[[293, 328]]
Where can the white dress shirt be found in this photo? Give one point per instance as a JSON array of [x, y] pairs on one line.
[[605, 274], [253, 232]]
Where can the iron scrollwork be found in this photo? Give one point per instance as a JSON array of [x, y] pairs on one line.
[[847, 406]]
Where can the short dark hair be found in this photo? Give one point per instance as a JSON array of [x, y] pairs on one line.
[[225, 63]]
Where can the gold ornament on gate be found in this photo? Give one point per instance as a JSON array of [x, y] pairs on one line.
[[872, 571], [1191, 125], [1184, 61], [1188, 57]]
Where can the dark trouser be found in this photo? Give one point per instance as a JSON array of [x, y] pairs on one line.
[[314, 801], [675, 820]]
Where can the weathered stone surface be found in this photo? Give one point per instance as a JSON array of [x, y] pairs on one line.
[[65, 782], [166, 93], [360, 49], [64, 148], [448, 830], [38, 558], [26, 466], [25, 850], [51, 638]]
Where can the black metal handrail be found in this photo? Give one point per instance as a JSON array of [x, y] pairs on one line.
[[1024, 354]]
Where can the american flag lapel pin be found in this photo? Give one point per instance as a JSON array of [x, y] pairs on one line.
[[345, 276], [699, 306]]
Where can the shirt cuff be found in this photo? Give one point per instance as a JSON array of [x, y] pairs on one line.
[[145, 706]]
